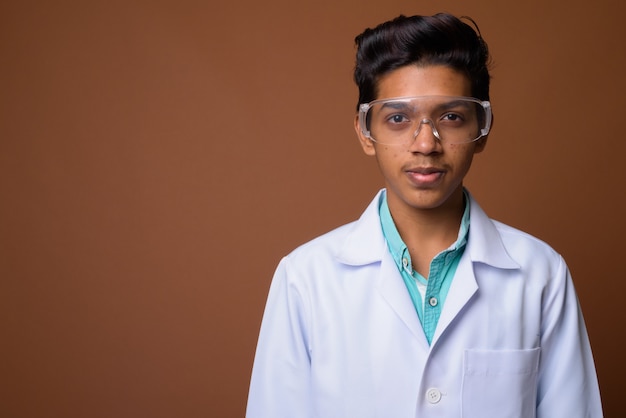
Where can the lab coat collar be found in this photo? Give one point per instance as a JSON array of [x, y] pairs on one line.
[[365, 244], [485, 243]]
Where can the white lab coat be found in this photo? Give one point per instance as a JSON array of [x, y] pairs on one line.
[[340, 336]]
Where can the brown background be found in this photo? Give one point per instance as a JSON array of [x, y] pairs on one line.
[[158, 158]]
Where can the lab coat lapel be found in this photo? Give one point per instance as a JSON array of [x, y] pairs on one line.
[[393, 290], [462, 289], [484, 246], [366, 244]]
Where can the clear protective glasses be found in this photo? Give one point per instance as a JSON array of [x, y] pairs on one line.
[[398, 121]]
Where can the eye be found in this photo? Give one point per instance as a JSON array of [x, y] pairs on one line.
[[452, 118], [397, 118]]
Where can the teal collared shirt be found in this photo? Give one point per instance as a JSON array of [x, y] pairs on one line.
[[428, 295]]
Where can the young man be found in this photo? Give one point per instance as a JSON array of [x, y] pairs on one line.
[[424, 307]]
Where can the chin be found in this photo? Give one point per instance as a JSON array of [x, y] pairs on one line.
[[425, 200]]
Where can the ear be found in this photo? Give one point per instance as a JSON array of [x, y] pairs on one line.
[[480, 144], [366, 143]]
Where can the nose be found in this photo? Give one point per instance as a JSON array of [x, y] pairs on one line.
[[425, 141]]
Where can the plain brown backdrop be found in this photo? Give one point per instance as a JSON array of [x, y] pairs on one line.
[[157, 159]]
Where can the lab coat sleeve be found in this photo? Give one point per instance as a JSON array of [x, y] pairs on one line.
[[280, 383], [568, 386]]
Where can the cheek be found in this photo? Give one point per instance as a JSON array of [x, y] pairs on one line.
[[462, 151], [462, 155], [387, 153], [394, 153], [389, 158]]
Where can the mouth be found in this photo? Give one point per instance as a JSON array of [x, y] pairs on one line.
[[425, 176]]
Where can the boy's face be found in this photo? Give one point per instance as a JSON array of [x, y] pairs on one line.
[[426, 174]]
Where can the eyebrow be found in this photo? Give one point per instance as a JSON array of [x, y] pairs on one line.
[[405, 104], [396, 104], [456, 103]]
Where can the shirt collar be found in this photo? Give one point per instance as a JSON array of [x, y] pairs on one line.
[[398, 248]]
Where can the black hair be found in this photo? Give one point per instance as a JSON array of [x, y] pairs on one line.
[[441, 39]]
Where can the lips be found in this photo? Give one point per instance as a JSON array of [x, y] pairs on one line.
[[425, 176]]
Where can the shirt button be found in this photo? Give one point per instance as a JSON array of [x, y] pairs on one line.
[[433, 395], [433, 301], [405, 262]]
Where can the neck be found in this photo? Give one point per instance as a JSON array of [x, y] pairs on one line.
[[428, 222], [427, 232]]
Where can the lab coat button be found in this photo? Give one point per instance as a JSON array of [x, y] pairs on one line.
[[433, 395], [432, 301]]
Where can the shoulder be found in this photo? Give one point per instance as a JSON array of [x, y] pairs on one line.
[[357, 243], [519, 243], [503, 246], [538, 262], [515, 236], [327, 244]]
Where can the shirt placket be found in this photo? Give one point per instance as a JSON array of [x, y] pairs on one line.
[[432, 305]]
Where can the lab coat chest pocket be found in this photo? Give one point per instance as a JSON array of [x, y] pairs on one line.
[[500, 383]]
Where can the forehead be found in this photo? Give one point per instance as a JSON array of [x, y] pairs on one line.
[[418, 80]]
